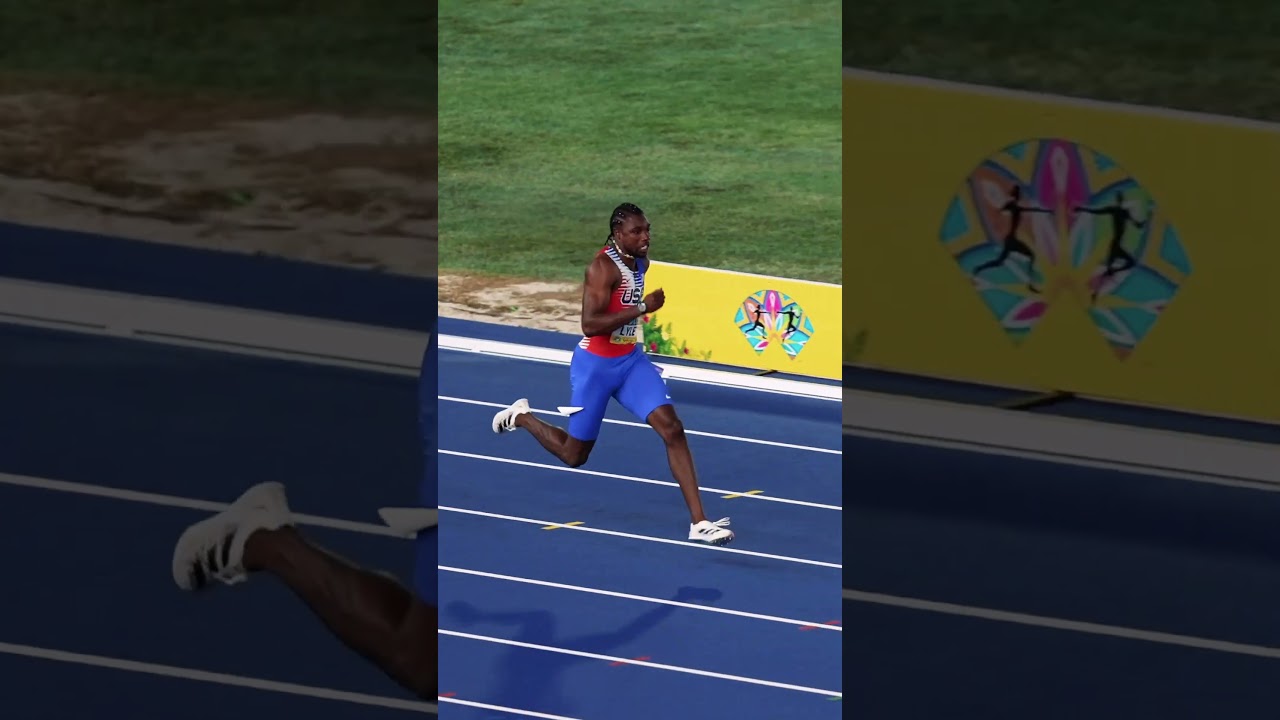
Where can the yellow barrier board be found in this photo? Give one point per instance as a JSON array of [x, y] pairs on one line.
[[1029, 242], [750, 321]]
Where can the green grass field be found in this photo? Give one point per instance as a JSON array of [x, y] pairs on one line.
[[1186, 54], [320, 53], [721, 119]]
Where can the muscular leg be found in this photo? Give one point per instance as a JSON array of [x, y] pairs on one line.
[[644, 394], [571, 451], [669, 427], [593, 382], [372, 614]]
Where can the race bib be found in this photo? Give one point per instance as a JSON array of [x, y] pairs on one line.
[[628, 334]]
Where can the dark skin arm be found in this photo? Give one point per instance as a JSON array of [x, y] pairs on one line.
[[602, 278]]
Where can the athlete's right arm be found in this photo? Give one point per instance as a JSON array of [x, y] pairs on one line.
[[601, 280]]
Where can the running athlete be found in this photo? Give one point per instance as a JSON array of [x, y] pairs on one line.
[[759, 322], [1011, 243], [370, 612], [1120, 220], [610, 362], [791, 312]]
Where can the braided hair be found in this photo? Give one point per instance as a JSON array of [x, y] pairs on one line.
[[620, 214]]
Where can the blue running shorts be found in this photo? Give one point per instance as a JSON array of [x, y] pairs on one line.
[[633, 380]]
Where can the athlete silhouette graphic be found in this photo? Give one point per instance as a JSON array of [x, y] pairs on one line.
[[793, 319], [1011, 242], [790, 311], [759, 323], [1121, 218]]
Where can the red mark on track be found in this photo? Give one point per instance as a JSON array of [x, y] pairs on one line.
[[619, 664], [448, 694]]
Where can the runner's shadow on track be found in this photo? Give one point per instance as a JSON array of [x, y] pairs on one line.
[[535, 685]]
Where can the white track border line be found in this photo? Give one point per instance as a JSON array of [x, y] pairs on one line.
[[503, 708], [632, 536], [640, 598], [643, 663], [299, 339], [631, 423], [670, 371], [1087, 628], [631, 478], [1066, 441], [1059, 459], [232, 330], [352, 526], [216, 678], [184, 502], [196, 344]]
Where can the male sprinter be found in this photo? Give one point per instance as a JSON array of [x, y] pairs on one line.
[[610, 361], [370, 612]]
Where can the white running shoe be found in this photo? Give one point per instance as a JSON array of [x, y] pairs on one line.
[[213, 549], [505, 420], [711, 533]]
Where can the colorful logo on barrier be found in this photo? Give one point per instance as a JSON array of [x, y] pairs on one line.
[[770, 317], [1049, 219]]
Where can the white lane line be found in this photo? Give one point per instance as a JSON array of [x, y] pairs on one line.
[[643, 663], [641, 598], [1061, 459], [388, 368], [670, 371], [615, 533], [1061, 624], [647, 481], [305, 339], [216, 678], [183, 502], [503, 708], [318, 521], [630, 423]]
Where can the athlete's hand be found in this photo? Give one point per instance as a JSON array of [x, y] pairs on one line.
[[655, 300]]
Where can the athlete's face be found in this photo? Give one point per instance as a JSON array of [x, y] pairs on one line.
[[633, 235]]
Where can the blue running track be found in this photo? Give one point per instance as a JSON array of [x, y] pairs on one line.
[[107, 445], [110, 447], [619, 616], [969, 533]]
